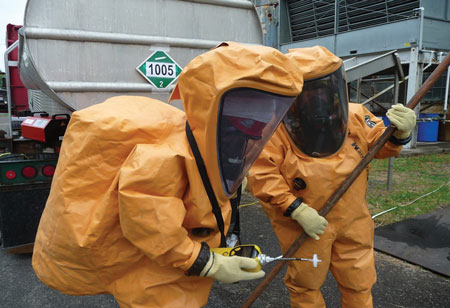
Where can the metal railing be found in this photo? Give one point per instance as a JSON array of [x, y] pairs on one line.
[[9, 63]]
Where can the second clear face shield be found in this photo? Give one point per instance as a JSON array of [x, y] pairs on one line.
[[317, 121], [247, 119]]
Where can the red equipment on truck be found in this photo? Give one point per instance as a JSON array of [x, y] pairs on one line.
[[45, 129]]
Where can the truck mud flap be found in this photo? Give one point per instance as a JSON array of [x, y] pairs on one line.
[[21, 208]]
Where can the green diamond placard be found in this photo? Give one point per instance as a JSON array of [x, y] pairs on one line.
[[159, 69]]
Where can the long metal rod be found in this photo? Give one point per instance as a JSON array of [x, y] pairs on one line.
[[8, 85], [115, 38], [421, 11], [391, 159], [336, 24], [245, 4], [447, 83], [87, 86], [350, 179]]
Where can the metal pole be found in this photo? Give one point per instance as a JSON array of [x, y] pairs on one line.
[[349, 180], [8, 84], [446, 94], [358, 91], [414, 82], [390, 167], [336, 24], [422, 14], [391, 159]]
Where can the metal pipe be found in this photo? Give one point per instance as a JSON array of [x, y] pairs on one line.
[[378, 79], [428, 119], [430, 62], [336, 24], [391, 159], [447, 84], [86, 86], [117, 38], [8, 84], [421, 11], [389, 177], [245, 4], [426, 86], [358, 91]]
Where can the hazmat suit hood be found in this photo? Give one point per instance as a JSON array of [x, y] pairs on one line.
[[317, 121], [238, 109]]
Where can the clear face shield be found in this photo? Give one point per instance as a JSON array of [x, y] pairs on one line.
[[317, 121], [247, 119]]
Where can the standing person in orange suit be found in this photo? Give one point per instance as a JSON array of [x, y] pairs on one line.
[[321, 140]]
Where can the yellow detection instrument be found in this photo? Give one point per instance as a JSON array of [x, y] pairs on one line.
[[254, 252]]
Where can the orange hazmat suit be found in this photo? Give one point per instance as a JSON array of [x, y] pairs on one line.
[[346, 246], [128, 213]]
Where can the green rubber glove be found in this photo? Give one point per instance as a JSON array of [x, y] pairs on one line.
[[310, 220], [230, 269], [403, 118]]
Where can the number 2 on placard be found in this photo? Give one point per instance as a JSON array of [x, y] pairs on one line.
[[161, 84]]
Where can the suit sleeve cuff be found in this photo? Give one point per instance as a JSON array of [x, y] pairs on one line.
[[294, 205], [284, 205], [200, 262], [397, 141]]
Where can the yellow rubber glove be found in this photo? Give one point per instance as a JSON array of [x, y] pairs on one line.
[[310, 220], [403, 118], [230, 269]]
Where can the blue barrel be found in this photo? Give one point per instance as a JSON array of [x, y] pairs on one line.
[[428, 131]]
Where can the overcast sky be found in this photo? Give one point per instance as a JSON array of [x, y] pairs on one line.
[[11, 12]]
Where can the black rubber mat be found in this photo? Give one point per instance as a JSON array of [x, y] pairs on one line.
[[423, 240]]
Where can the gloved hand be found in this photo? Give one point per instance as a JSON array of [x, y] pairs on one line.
[[310, 220], [403, 118], [230, 269]]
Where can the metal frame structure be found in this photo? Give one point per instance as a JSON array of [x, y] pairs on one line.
[[355, 71], [418, 32]]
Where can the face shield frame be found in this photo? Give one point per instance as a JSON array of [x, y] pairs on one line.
[[317, 121], [240, 143]]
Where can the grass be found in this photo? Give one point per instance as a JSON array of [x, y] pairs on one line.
[[413, 177]]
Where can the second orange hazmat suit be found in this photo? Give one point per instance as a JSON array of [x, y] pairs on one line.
[[346, 247]]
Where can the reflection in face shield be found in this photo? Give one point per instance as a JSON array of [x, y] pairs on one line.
[[236, 133], [247, 119], [317, 121]]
